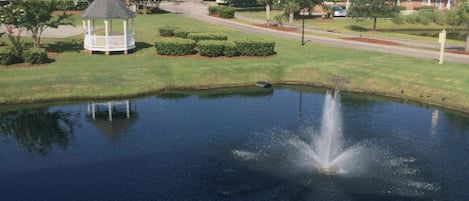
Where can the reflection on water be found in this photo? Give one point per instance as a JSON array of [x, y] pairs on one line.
[[112, 118], [228, 145], [38, 131]]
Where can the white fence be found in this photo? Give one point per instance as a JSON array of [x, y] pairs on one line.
[[109, 43]]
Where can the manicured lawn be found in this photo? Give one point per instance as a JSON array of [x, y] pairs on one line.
[[76, 75], [362, 26]]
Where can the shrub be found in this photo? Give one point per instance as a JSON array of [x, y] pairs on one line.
[[230, 49], [211, 48], [6, 56], [259, 47], [243, 3], [35, 55], [82, 5], [181, 33], [166, 31], [226, 12], [175, 46], [213, 10], [65, 5], [207, 36], [399, 19]]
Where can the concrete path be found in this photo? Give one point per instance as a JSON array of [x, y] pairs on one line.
[[198, 10], [63, 31]]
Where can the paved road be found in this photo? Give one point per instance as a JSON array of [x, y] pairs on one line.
[[198, 10]]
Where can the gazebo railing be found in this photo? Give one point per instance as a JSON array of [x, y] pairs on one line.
[[109, 43]]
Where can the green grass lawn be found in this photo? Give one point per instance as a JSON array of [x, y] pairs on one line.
[[76, 75], [362, 26]]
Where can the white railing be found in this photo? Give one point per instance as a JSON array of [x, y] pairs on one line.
[[109, 43]]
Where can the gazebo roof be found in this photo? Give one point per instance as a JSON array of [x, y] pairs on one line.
[[107, 9]]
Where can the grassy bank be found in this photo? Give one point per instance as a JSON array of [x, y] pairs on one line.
[[76, 75]]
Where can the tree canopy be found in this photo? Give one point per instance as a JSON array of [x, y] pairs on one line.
[[373, 9], [460, 16], [32, 15]]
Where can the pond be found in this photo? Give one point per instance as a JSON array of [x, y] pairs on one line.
[[234, 144]]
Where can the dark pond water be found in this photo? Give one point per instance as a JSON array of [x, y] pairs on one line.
[[228, 145]]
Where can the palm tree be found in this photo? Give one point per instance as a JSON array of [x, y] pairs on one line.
[[268, 4], [290, 7]]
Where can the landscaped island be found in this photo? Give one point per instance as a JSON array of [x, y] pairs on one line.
[[74, 75]]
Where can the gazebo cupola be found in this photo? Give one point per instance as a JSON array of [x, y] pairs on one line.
[[109, 39]]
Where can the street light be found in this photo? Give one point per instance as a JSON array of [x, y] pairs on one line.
[[303, 30]]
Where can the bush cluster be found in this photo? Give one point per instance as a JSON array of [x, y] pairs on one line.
[[181, 33], [175, 46], [35, 55], [211, 48], [222, 11], [207, 36], [253, 47], [6, 55], [230, 49], [167, 31], [70, 5], [422, 17]]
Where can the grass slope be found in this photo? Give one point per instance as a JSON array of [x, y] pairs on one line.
[[76, 75]]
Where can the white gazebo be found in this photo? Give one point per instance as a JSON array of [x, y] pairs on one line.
[[111, 40]]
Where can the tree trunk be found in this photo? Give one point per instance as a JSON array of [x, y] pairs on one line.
[[267, 13], [374, 23], [467, 40], [290, 18]]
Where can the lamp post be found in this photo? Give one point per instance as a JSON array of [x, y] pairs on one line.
[[303, 30]]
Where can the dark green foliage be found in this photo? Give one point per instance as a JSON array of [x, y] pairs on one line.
[[166, 31], [6, 56], [230, 49], [181, 33], [213, 10], [207, 36], [175, 46], [226, 12], [35, 56], [65, 5], [373, 9], [242, 3], [253, 47], [211, 48], [81, 5]]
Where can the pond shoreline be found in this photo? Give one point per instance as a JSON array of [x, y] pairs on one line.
[[220, 86]]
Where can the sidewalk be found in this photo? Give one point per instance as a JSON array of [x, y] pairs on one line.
[[198, 10]]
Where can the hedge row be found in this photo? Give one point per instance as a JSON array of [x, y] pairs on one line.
[[214, 48], [175, 46], [32, 56], [222, 11], [207, 36], [167, 31]]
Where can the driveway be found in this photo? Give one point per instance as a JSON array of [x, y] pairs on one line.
[[198, 10]]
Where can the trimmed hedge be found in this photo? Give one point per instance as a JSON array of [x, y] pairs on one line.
[[207, 36], [213, 10], [251, 47], [226, 12], [6, 56], [166, 31], [181, 33], [35, 56], [222, 11], [175, 46], [211, 48], [230, 49]]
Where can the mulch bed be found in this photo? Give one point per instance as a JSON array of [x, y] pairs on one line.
[[458, 52], [279, 28], [375, 41]]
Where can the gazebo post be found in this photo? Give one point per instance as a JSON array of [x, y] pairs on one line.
[[107, 37], [125, 35]]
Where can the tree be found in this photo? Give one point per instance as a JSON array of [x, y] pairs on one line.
[[268, 4], [33, 15], [373, 9], [460, 16], [290, 7]]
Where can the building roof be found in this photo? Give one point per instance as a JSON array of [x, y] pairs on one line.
[[107, 9]]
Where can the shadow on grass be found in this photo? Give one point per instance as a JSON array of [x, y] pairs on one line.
[[65, 46], [141, 46], [357, 28]]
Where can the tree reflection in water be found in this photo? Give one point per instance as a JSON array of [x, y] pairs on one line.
[[39, 130]]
